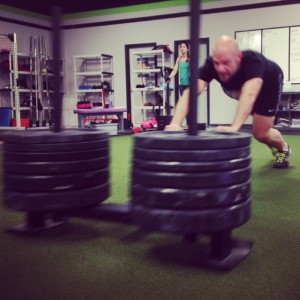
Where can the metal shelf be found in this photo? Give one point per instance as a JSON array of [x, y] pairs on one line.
[[29, 76], [148, 69], [93, 70], [288, 94]]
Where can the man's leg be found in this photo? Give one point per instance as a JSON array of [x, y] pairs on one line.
[[264, 132]]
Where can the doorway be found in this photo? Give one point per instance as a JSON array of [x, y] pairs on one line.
[[203, 113]]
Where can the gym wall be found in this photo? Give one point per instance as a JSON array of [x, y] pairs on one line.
[[111, 39]]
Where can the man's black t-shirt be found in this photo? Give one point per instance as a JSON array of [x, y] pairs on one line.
[[253, 65]]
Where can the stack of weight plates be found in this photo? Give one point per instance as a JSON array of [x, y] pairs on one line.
[[51, 171], [191, 184]]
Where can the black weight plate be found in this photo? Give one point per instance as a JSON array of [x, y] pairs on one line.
[[55, 182], [203, 140], [194, 180], [191, 155], [48, 136], [193, 221], [55, 156], [186, 199], [54, 147], [61, 200], [61, 167], [186, 167]]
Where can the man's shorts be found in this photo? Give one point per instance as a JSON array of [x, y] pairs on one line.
[[267, 102]]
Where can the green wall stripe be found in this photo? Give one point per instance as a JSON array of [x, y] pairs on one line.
[[131, 9], [103, 12]]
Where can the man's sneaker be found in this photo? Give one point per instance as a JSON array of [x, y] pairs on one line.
[[282, 159]]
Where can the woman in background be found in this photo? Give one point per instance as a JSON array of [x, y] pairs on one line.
[[182, 65]]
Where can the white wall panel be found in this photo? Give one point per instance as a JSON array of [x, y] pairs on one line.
[[112, 39]]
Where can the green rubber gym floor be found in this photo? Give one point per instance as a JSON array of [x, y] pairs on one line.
[[88, 259]]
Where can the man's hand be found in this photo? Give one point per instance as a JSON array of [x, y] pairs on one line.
[[173, 127], [225, 129]]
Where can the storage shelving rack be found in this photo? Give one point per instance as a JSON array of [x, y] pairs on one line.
[[148, 89], [29, 84], [288, 114], [13, 78], [93, 77]]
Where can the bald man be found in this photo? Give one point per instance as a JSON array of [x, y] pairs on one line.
[[255, 82]]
